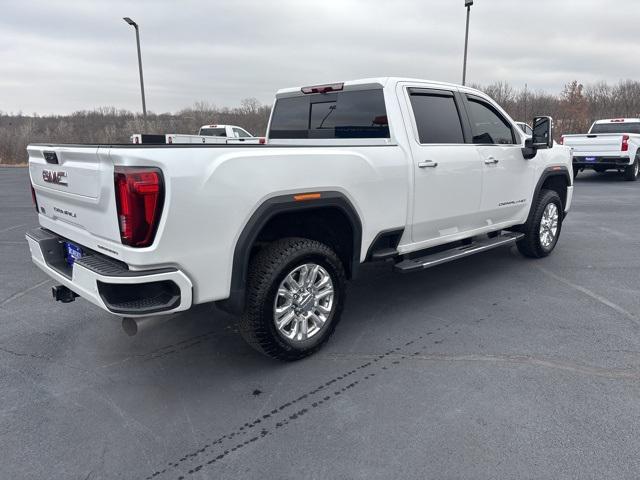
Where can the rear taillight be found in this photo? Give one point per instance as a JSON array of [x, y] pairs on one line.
[[561, 142], [262, 140], [139, 199], [33, 197], [625, 143]]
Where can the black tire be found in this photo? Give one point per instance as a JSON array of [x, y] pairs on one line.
[[575, 172], [632, 171], [267, 270], [530, 245]]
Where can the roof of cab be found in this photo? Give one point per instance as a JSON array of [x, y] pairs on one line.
[[382, 81], [618, 120]]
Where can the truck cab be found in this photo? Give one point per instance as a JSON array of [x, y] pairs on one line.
[[228, 131]]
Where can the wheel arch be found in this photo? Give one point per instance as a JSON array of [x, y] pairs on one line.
[[273, 213], [555, 178]]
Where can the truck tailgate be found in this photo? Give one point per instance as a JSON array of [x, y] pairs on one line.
[[75, 192], [604, 143]]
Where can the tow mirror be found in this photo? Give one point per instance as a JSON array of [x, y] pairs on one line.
[[541, 138]]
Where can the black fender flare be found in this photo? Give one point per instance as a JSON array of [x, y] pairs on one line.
[[259, 219], [556, 171]]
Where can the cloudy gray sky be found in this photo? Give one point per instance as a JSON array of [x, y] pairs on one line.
[[59, 56]]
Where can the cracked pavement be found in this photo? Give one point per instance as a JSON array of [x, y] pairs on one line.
[[491, 367]]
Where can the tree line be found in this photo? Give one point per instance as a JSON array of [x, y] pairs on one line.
[[108, 125], [573, 110]]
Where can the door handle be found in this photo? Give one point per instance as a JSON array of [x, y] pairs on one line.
[[491, 161], [427, 164]]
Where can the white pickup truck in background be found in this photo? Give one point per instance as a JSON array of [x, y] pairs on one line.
[[213, 134], [611, 144], [414, 172]]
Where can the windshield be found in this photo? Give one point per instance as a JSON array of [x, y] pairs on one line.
[[213, 132], [618, 127]]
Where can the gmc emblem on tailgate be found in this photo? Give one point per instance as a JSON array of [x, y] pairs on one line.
[[57, 178]]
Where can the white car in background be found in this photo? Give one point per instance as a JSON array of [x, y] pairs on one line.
[[212, 134], [215, 134], [228, 131]]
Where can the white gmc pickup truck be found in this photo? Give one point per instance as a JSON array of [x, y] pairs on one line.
[[219, 134], [414, 172], [611, 144]]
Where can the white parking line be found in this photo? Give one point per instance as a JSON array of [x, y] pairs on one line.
[[595, 296], [12, 228], [24, 292]]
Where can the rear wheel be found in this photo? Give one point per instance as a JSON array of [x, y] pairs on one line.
[[632, 171], [542, 230], [575, 171], [295, 296]]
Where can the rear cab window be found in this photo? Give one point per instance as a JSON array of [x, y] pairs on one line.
[[616, 127], [347, 114], [213, 132]]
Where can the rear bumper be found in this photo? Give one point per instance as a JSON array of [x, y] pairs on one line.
[[601, 161], [110, 284]]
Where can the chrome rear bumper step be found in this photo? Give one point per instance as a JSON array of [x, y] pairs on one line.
[[434, 259]]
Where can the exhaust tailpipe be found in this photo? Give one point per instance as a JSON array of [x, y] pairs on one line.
[[133, 326]]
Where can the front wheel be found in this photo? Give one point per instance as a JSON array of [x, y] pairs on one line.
[[295, 295], [543, 226], [632, 171]]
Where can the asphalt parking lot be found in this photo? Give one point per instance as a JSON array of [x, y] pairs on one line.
[[492, 367]]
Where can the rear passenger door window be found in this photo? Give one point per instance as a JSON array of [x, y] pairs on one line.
[[487, 125], [437, 117]]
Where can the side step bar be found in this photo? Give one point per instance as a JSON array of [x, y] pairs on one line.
[[428, 261]]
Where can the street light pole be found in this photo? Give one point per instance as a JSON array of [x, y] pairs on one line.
[[135, 25], [467, 3]]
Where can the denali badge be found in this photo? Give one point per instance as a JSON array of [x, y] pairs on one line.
[[64, 212], [51, 176]]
